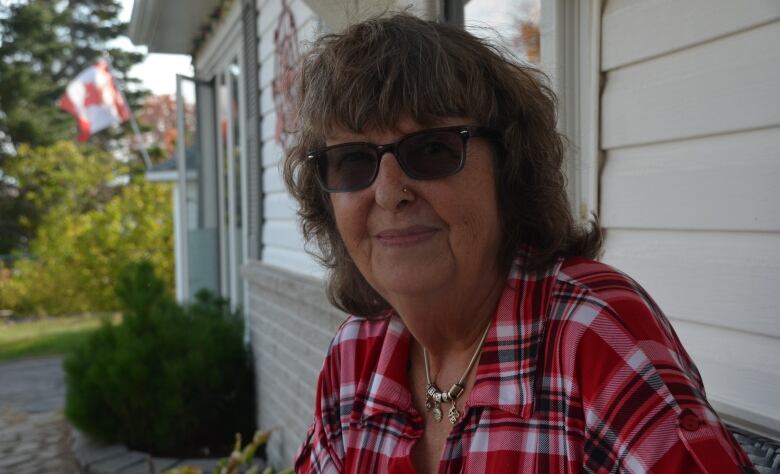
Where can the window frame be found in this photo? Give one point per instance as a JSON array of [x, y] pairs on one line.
[[571, 57]]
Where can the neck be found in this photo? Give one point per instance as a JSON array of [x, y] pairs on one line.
[[449, 326]]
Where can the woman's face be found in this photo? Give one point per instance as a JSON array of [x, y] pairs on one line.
[[441, 234]]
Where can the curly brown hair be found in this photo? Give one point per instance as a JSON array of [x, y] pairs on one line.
[[384, 69]]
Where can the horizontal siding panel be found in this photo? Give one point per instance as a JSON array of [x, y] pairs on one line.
[[267, 45], [268, 130], [266, 74], [726, 279], [297, 261], [269, 15], [740, 370], [725, 182], [280, 206], [272, 180], [636, 30], [272, 150], [267, 99], [282, 233], [726, 85], [301, 12], [305, 20]]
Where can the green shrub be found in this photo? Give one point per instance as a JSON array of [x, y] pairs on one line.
[[169, 380], [86, 222]]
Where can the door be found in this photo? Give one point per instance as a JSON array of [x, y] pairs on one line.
[[197, 257]]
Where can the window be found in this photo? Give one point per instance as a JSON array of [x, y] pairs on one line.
[[513, 24]]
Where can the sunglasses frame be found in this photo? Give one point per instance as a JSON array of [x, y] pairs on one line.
[[464, 131]]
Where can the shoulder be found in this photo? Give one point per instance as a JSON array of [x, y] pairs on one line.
[[358, 334], [605, 319], [633, 376], [599, 280], [353, 354], [600, 314], [593, 292]]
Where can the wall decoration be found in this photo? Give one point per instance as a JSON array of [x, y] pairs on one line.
[[285, 70]]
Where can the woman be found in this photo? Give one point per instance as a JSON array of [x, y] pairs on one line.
[[484, 336]]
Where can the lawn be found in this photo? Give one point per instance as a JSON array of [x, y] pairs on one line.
[[48, 336]]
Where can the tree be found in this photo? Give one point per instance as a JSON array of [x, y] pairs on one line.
[[526, 38], [43, 45], [157, 118], [92, 227]]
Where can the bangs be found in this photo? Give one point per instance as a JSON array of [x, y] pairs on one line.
[[377, 74]]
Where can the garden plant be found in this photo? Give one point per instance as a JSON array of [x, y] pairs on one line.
[[169, 380]]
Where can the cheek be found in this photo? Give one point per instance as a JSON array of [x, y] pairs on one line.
[[478, 217], [350, 218], [478, 224]]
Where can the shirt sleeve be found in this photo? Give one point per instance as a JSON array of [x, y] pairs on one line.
[[644, 406]]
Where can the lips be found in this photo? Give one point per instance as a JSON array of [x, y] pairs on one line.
[[406, 236]]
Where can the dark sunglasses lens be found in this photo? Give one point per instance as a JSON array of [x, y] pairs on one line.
[[347, 168], [432, 155]]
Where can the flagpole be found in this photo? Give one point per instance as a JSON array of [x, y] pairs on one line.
[[133, 123], [137, 133]]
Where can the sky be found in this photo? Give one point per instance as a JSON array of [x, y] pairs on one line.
[[158, 72]]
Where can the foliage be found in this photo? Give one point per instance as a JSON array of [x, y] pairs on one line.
[[169, 380], [240, 460], [45, 336], [88, 226], [43, 45], [158, 117]]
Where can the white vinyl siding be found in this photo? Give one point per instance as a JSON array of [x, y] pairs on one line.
[[281, 238], [290, 321], [689, 189]]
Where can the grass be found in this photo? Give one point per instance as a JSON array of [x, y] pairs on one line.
[[50, 336]]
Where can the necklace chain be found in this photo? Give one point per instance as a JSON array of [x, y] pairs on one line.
[[434, 396]]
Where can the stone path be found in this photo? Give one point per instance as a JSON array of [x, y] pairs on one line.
[[34, 437]]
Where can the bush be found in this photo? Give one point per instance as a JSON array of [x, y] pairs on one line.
[[86, 222], [169, 380]]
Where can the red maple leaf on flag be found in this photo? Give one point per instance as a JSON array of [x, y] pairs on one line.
[[93, 95]]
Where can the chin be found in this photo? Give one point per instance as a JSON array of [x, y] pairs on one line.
[[414, 281]]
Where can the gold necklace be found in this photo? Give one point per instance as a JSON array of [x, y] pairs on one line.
[[434, 396]]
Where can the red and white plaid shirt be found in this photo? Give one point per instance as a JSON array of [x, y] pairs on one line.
[[580, 372]]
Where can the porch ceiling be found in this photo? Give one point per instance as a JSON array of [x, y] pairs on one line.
[[168, 26]]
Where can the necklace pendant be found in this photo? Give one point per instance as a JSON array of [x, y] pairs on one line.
[[436, 413], [453, 414]]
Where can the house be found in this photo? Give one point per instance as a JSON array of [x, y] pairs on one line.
[[674, 111]]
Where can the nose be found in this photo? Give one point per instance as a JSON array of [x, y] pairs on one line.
[[389, 184]]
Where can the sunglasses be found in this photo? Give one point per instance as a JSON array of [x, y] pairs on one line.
[[428, 154]]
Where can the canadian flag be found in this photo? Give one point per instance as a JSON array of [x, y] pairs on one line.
[[94, 100]]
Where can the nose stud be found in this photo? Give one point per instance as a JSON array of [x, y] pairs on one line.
[[405, 190]]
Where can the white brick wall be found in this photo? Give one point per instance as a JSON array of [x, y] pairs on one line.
[[291, 326]]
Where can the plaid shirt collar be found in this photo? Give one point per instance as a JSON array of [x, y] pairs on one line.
[[510, 352]]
